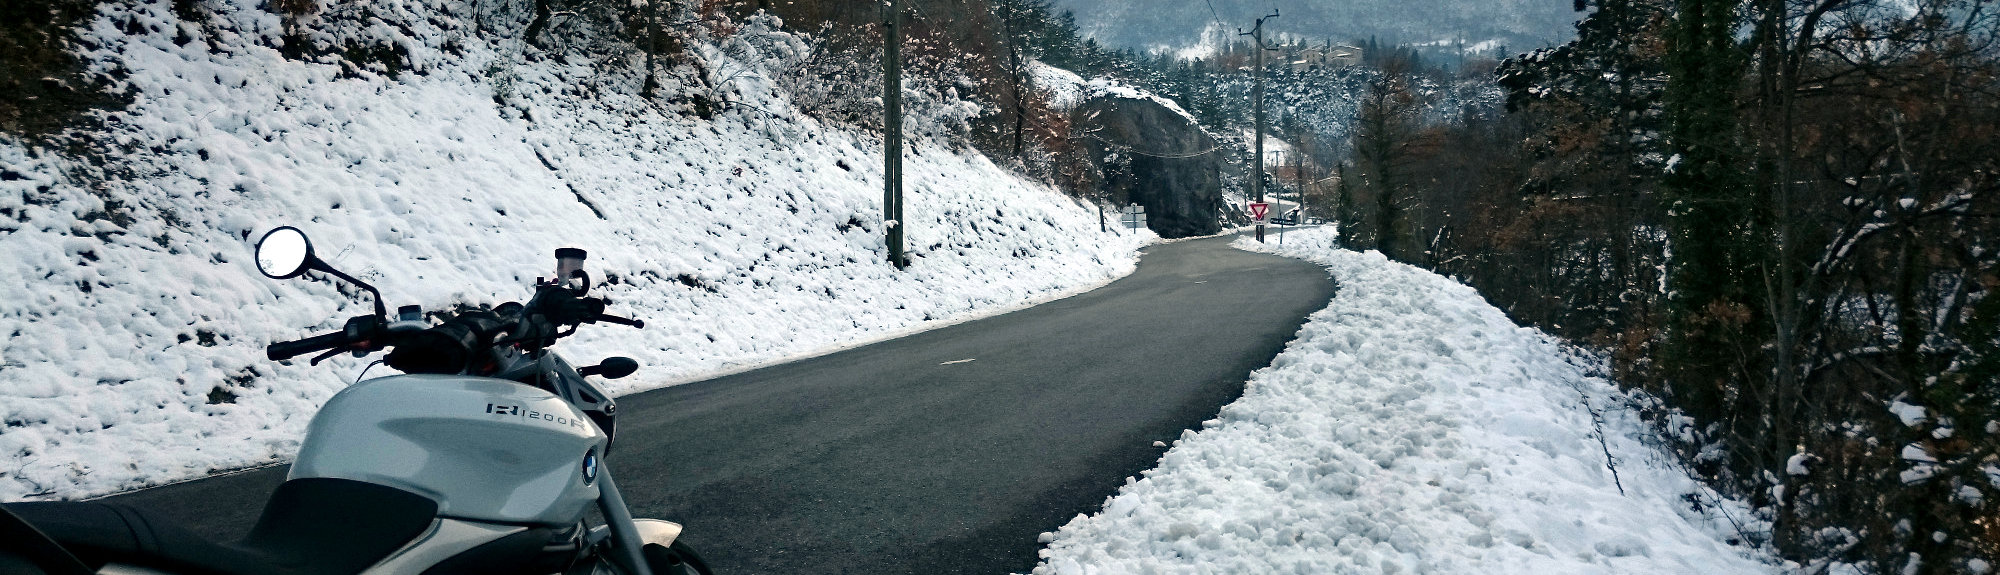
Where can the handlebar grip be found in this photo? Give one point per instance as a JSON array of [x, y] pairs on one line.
[[289, 349], [608, 318]]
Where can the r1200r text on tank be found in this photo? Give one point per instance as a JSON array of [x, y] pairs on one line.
[[485, 458]]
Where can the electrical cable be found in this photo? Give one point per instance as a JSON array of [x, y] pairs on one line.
[[1215, 145], [1217, 17], [1129, 148], [1125, 147]]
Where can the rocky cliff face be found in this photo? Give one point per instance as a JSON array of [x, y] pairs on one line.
[[1154, 155]]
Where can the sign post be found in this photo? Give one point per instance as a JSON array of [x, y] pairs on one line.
[[1257, 177], [1132, 216]]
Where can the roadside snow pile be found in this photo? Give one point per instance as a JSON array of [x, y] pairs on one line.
[[137, 321], [1411, 428]]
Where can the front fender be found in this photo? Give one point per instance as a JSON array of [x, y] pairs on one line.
[[657, 531]]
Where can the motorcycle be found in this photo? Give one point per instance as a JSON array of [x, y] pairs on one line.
[[484, 457]]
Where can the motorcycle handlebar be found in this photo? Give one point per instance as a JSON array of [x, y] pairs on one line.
[[448, 347], [289, 349]]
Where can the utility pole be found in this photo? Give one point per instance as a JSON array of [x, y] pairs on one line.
[[892, 130], [1257, 176], [1300, 177]]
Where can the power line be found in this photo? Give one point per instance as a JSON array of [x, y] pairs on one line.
[[1217, 17], [1128, 147], [1213, 146]]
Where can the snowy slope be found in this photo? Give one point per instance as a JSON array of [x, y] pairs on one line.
[[135, 353], [1411, 427]]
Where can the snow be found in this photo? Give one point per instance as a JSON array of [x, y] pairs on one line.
[[135, 347], [1066, 90], [1485, 46], [1410, 428], [1106, 87], [1910, 414], [1796, 464], [1923, 466], [1970, 495], [1273, 145], [1914, 452]]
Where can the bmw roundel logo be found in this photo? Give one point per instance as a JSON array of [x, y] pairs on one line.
[[589, 467]]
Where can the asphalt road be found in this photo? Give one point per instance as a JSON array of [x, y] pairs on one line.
[[947, 451]]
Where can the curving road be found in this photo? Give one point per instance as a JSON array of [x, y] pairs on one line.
[[947, 451]]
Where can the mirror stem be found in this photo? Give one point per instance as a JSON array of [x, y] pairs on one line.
[[380, 309]]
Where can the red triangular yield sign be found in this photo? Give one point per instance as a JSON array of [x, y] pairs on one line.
[[1257, 211]]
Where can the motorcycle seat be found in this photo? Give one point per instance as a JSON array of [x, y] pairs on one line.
[[316, 526]]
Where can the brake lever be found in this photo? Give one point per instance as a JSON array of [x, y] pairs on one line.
[[329, 353], [608, 318]]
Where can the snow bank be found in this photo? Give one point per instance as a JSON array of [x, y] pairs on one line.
[[1411, 427], [138, 320]]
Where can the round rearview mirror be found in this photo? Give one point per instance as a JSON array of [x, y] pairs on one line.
[[284, 253], [611, 368]]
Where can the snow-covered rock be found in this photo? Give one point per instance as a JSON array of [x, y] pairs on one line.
[[1149, 151], [1066, 90], [1063, 88]]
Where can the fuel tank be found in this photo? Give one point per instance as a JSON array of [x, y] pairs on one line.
[[486, 449]]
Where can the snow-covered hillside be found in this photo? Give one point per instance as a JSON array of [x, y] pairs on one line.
[[137, 320], [1411, 427]]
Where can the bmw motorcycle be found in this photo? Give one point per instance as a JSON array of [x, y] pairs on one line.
[[484, 457]]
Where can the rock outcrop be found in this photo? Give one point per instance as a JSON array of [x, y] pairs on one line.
[[1152, 153]]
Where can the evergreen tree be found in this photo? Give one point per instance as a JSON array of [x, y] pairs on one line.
[[1060, 46], [1707, 206]]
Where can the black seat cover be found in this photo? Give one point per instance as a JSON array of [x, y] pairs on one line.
[[309, 527]]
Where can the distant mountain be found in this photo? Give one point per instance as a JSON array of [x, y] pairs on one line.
[[1186, 26]]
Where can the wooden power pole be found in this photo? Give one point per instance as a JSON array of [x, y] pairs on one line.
[[892, 130], [1257, 175]]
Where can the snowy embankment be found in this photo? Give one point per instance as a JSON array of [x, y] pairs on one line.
[[1411, 427], [136, 333]]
